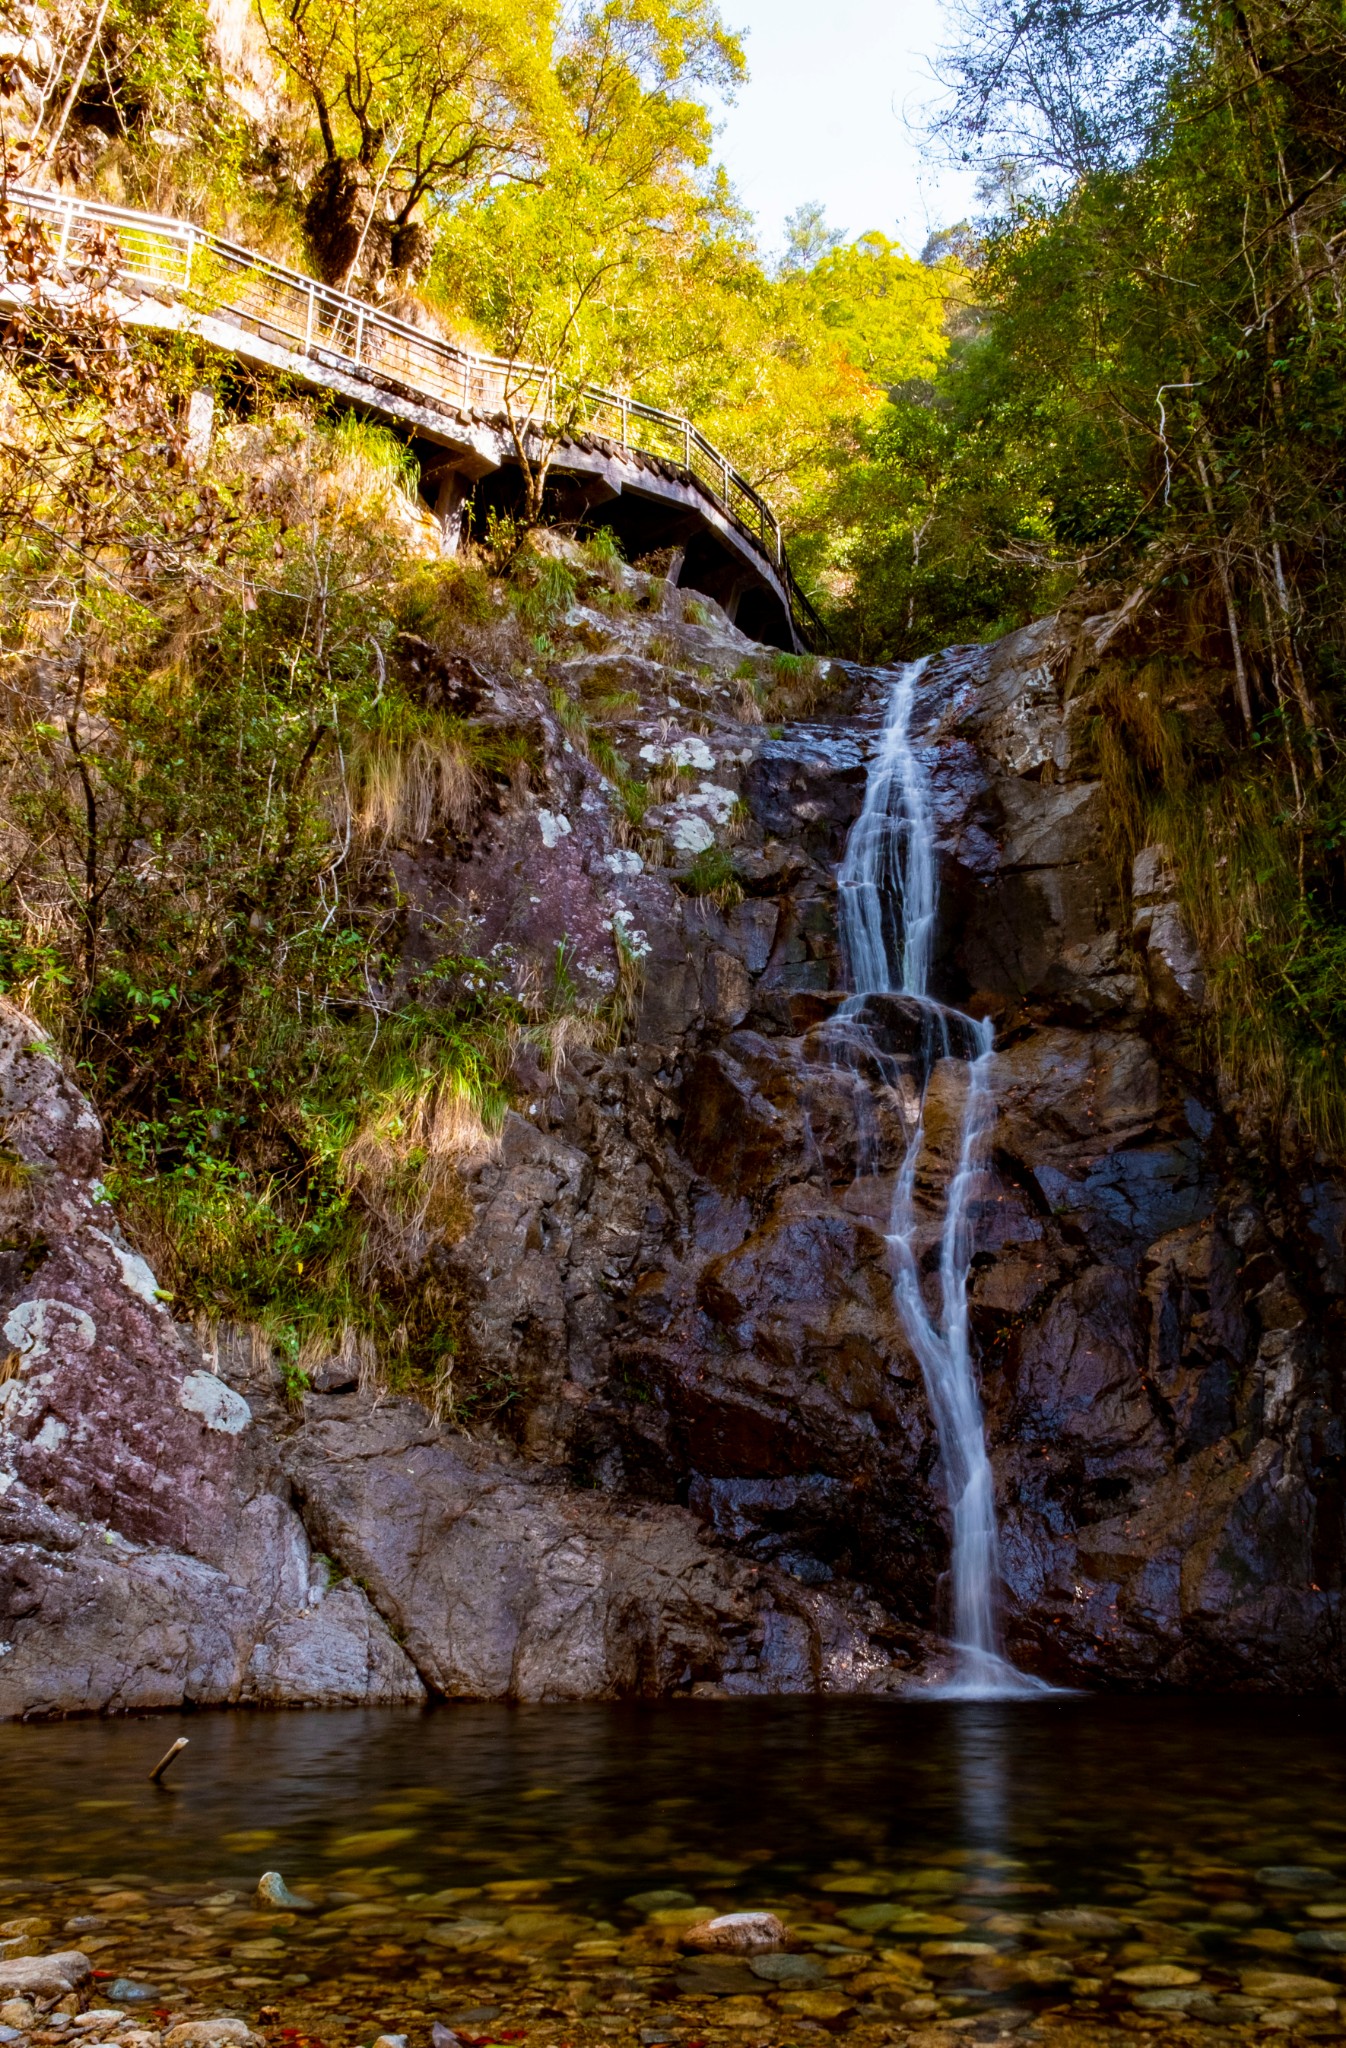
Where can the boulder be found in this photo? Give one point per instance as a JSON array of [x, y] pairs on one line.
[[53, 1976], [504, 1584]]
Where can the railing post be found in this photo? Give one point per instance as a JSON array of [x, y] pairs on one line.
[[359, 334], [687, 446], [625, 420], [187, 266], [724, 472], [64, 242], [308, 324]]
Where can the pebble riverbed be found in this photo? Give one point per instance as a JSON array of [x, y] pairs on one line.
[[438, 1883], [966, 1947]]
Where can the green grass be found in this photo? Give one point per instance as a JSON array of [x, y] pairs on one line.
[[711, 875]]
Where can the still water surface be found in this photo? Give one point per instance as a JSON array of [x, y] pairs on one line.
[[987, 1866]]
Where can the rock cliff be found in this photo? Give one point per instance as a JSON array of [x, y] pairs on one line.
[[716, 1470]]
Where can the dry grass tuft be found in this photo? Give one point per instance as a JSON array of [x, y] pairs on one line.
[[408, 789], [349, 1347], [406, 1164]]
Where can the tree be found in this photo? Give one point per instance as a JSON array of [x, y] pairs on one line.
[[1064, 87], [808, 238], [413, 106], [885, 309], [564, 272]]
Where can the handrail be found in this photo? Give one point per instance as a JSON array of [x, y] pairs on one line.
[[337, 330]]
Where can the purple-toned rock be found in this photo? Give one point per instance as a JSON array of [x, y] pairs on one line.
[[148, 1551]]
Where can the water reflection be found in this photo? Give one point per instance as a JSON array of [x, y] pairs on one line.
[[982, 1739]]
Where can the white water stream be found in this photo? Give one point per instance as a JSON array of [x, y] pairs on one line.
[[888, 898]]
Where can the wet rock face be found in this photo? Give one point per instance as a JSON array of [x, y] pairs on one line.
[[1154, 1337], [717, 1470], [1166, 1433]]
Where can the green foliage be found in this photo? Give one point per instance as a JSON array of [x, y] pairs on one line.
[[636, 798], [438, 598], [543, 591], [602, 550], [711, 875], [411, 106], [198, 811]]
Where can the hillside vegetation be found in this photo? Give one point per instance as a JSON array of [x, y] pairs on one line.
[[1119, 392], [214, 746]]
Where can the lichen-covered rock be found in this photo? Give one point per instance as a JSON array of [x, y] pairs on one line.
[[148, 1552]]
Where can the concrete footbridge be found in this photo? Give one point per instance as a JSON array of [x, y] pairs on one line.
[[650, 475]]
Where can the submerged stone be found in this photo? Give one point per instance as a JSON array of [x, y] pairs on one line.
[[272, 1890], [1157, 1976], [787, 1969], [1282, 1984], [815, 2005], [1084, 1920]]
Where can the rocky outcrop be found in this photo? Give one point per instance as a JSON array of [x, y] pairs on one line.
[[711, 1466], [505, 1583], [1154, 1328], [169, 1530], [148, 1551]]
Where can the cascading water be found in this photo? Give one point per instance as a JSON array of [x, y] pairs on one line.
[[888, 898]]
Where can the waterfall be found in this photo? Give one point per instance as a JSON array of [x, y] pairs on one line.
[[888, 897]]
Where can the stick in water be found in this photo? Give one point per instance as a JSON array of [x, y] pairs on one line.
[[157, 1773]]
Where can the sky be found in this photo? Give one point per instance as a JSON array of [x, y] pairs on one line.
[[825, 115]]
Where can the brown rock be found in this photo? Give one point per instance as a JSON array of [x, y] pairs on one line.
[[744, 1934], [219, 2033]]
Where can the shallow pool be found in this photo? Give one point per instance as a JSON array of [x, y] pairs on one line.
[[946, 1870]]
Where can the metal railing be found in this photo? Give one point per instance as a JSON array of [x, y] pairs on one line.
[[336, 331]]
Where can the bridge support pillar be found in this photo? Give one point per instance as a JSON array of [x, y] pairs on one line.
[[200, 428], [450, 502], [729, 603]]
